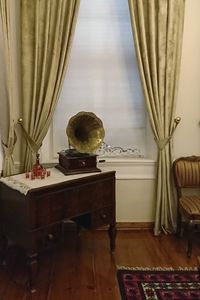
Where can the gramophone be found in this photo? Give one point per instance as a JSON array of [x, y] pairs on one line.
[[85, 134]]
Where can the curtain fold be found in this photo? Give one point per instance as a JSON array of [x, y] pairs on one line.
[[7, 123], [157, 31], [47, 29]]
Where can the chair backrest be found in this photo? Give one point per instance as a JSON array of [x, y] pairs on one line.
[[186, 172]]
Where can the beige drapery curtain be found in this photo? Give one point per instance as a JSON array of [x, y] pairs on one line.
[[7, 124], [157, 30], [47, 29]]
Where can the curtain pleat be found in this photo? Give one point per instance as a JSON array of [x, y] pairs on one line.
[[7, 124], [157, 32], [47, 29]]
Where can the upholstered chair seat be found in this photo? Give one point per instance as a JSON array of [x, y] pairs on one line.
[[190, 206]]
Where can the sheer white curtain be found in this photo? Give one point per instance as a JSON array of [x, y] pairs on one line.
[[100, 78]]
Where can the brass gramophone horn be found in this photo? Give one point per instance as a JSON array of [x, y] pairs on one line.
[[85, 132]]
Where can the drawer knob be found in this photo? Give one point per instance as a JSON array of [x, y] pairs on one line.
[[103, 216], [50, 236], [82, 163]]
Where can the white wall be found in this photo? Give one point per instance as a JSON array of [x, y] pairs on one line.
[[187, 135], [134, 188]]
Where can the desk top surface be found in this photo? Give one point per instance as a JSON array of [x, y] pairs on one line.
[[24, 185]]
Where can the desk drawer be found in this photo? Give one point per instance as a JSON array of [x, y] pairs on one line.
[[100, 217], [89, 197], [46, 238], [50, 208], [68, 204]]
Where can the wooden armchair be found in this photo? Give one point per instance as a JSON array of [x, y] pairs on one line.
[[186, 172]]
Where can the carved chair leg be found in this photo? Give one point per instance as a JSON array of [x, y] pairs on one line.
[[191, 226], [179, 225], [198, 264]]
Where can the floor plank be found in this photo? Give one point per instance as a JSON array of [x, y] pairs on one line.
[[83, 267]]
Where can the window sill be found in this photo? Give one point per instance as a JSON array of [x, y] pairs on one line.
[[129, 168]]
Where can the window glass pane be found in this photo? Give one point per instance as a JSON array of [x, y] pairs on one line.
[[102, 77]]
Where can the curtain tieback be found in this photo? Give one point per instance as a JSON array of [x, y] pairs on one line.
[[161, 143], [8, 150], [31, 143]]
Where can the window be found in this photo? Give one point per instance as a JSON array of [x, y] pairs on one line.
[[103, 78]]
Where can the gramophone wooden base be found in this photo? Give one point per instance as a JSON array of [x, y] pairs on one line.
[[76, 171], [69, 164]]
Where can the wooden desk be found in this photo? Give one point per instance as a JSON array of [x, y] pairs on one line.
[[35, 220]]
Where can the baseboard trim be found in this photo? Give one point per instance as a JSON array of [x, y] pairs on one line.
[[135, 225]]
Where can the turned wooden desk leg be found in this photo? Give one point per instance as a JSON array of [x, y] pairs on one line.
[[112, 234], [32, 263]]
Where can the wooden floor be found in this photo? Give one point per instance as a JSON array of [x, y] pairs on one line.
[[83, 268]]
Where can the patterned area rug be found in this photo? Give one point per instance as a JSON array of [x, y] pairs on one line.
[[158, 284]]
